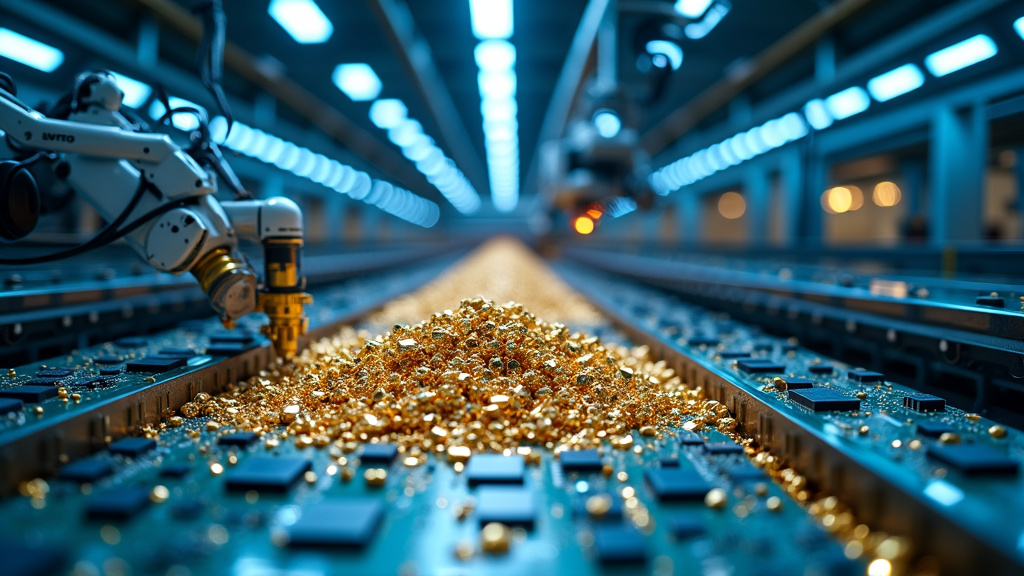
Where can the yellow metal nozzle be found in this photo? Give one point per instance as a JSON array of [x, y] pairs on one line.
[[229, 282], [287, 321]]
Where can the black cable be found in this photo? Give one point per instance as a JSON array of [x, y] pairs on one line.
[[109, 233], [211, 54]]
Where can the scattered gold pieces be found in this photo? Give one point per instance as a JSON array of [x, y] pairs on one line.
[[76, 397], [997, 431], [864, 429], [774, 504], [972, 417], [599, 505], [495, 538], [159, 494], [949, 438], [464, 550], [309, 477], [716, 498], [216, 468], [376, 477], [347, 474]]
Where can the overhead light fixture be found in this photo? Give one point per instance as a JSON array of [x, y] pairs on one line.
[[703, 27], [961, 55], [896, 82], [1018, 25], [491, 19], [693, 8], [358, 81], [302, 20], [607, 123], [844, 104], [495, 55], [817, 114], [135, 92], [668, 49], [387, 113], [29, 51]]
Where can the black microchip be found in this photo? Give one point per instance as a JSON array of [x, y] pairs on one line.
[[719, 448], [236, 336], [379, 453], [133, 447], [619, 544], [270, 474], [131, 342], [112, 370], [865, 376], [823, 400], [763, 345], [55, 372], [820, 369], [349, 523], [685, 525], [229, 348], [669, 462], [495, 469], [676, 484], [8, 405], [35, 559], [733, 354], [90, 382], [974, 459], [690, 438], [703, 341], [107, 360], [86, 470], [992, 301], [118, 503], [510, 506], [580, 461], [924, 403], [746, 472], [613, 513], [177, 353], [759, 366], [175, 470], [155, 364], [798, 383], [30, 394], [933, 429], [241, 439]]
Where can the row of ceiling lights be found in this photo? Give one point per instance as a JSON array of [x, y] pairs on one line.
[[307, 24], [493, 25], [822, 113]]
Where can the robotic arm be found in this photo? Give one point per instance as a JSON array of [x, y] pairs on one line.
[[163, 203]]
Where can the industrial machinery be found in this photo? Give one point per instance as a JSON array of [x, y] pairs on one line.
[[161, 199]]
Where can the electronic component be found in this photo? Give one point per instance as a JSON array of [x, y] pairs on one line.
[[924, 403], [351, 522], [118, 503], [30, 394], [685, 525], [507, 505], [933, 429], [238, 439], [690, 438], [132, 446], [676, 484], [760, 366], [798, 383], [86, 470], [155, 364], [265, 473], [820, 369], [380, 453], [178, 470], [580, 461], [974, 459], [495, 469], [618, 544], [823, 400], [8, 405], [721, 448], [865, 376]]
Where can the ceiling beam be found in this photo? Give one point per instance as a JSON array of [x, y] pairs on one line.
[[319, 113], [414, 52], [684, 118], [577, 65]]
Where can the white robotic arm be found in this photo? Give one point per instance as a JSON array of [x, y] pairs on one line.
[[173, 218]]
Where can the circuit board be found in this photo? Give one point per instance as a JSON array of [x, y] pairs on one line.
[[231, 503]]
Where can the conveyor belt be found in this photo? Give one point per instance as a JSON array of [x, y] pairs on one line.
[[769, 513]]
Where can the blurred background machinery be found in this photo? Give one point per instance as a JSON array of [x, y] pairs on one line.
[[818, 182]]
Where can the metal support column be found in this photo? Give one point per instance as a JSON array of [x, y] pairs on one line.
[[958, 152], [757, 191]]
